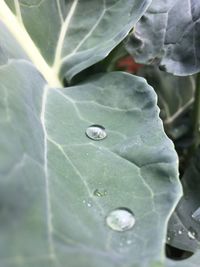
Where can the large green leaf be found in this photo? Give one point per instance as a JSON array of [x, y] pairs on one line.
[[71, 35], [57, 186], [168, 34], [50, 170]]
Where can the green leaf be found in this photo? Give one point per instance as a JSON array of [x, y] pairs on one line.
[[57, 186], [168, 34], [50, 170], [184, 225], [70, 35], [175, 98]]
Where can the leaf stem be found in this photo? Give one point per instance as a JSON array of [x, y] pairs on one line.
[[17, 29], [196, 114]]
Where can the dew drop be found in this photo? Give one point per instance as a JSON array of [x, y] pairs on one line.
[[180, 232], [192, 234], [129, 242], [100, 193], [196, 215], [87, 203], [120, 220], [96, 132]]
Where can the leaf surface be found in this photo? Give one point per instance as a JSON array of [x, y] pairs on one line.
[[57, 185], [175, 98], [51, 169], [184, 225], [73, 35], [168, 34]]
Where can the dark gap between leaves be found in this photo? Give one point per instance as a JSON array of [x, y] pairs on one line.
[[176, 253]]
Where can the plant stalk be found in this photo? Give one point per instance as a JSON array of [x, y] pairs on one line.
[[196, 114]]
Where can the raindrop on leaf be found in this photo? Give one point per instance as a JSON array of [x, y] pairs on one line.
[[196, 215], [180, 231], [192, 234], [96, 132], [120, 220], [100, 193]]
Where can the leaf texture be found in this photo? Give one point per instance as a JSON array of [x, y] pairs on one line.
[[168, 35], [73, 35], [52, 169]]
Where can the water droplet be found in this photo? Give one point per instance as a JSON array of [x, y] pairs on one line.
[[192, 233], [96, 132], [180, 232], [87, 203], [100, 193], [196, 215], [120, 220], [168, 238], [129, 242]]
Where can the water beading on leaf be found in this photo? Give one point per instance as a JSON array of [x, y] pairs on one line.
[[186, 217]]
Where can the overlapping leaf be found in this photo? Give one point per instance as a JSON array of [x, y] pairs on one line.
[[168, 34], [72, 35], [184, 225], [175, 98]]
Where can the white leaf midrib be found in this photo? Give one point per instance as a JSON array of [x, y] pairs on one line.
[[19, 32], [63, 32], [46, 175]]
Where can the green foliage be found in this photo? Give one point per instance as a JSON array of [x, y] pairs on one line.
[[88, 176], [168, 34]]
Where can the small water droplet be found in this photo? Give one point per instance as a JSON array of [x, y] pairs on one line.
[[89, 204], [120, 220], [129, 242], [100, 193], [168, 238], [96, 132], [196, 215], [180, 232], [192, 233]]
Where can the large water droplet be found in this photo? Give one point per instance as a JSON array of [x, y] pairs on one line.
[[96, 132], [196, 215], [120, 219]]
